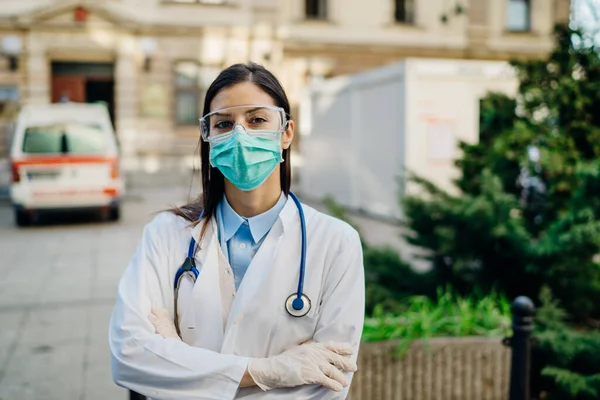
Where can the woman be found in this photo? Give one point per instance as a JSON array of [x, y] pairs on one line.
[[239, 330]]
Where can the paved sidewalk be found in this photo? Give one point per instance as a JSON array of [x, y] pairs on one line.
[[57, 289]]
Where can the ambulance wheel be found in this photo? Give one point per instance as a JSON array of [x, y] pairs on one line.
[[115, 213], [22, 218]]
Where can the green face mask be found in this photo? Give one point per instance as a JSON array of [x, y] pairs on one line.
[[246, 160]]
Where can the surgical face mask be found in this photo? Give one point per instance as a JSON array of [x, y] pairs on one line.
[[246, 160]]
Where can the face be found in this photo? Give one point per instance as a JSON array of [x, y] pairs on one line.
[[245, 94]]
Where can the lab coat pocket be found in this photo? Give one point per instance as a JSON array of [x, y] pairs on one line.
[[297, 330]]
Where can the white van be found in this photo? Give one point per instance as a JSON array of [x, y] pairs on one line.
[[64, 157]]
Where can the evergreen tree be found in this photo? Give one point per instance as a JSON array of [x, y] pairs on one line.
[[529, 211]]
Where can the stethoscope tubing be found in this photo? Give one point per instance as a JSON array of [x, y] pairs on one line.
[[297, 305], [303, 249]]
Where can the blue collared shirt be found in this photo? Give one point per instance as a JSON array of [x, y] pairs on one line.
[[240, 237]]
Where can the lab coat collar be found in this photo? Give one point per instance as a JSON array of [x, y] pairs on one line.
[[288, 215], [259, 225], [197, 229]]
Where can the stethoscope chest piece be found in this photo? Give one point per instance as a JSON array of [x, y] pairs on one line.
[[297, 306]]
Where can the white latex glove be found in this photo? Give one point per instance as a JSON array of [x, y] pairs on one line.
[[309, 363], [163, 323]]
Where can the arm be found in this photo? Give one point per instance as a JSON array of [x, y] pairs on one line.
[[247, 380], [308, 363], [165, 327], [343, 303], [141, 360]]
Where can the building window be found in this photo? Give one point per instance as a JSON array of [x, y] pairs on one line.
[[316, 9], [404, 11], [518, 15], [188, 93], [190, 84]]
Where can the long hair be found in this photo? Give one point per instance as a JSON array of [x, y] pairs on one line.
[[212, 179]]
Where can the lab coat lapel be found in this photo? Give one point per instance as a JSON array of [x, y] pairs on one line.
[[258, 270], [256, 273], [207, 307]]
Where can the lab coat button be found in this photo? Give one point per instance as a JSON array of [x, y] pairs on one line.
[[243, 246], [238, 319]]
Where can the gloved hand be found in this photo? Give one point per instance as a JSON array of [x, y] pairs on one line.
[[309, 363], [163, 323]]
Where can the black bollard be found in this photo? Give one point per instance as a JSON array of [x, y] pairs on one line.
[[522, 315]]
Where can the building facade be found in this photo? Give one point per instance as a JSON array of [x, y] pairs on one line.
[[150, 61]]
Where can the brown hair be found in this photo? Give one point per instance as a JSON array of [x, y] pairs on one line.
[[212, 179]]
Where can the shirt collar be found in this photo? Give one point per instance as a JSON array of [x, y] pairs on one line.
[[259, 225]]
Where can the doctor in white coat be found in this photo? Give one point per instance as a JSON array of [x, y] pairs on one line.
[[229, 332]]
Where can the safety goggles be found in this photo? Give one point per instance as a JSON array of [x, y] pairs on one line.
[[256, 119]]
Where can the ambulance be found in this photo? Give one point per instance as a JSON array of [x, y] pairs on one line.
[[64, 157]]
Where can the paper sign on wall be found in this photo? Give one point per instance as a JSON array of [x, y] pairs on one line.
[[440, 141]]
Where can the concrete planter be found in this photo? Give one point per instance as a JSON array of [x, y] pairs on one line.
[[472, 368]]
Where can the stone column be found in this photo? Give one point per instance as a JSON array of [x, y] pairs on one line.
[[126, 99], [478, 28], [37, 70], [562, 11]]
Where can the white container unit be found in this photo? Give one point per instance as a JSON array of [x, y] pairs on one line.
[[360, 133]]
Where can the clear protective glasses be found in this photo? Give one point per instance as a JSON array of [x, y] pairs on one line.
[[256, 119]]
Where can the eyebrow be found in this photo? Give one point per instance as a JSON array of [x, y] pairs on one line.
[[250, 111], [255, 109]]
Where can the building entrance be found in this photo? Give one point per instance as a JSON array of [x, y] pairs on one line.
[[84, 82]]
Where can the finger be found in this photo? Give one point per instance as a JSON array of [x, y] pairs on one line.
[[161, 313], [335, 374], [329, 383], [340, 348], [341, 362], [154, 320]]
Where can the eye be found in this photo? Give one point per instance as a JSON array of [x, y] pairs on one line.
[[223, 124], [258, 120]]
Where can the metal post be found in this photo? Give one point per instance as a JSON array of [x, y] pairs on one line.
[[522, 315], [136, 396]]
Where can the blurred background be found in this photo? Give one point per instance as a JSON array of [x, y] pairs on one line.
[[460, 137]]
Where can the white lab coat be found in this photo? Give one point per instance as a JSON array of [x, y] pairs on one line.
[[222, 330]]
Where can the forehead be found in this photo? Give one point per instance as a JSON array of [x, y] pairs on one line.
[[241, 94]]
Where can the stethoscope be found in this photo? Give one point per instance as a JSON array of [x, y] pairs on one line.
[[297, 304]]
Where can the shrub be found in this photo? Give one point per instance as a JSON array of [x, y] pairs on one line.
[[565, 361], [448, 315]]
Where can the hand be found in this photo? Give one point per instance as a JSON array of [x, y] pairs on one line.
[[309, 363], [163, 324]]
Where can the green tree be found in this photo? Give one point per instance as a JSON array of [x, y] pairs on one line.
[[529, 211], [565, 361], [528, 216]]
